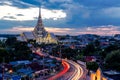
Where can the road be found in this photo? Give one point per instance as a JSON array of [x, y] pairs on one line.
[[66, 67], [69, 73], [71, 70], [76, 71], [85, 71]]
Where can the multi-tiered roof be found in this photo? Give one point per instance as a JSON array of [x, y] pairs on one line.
[[39, 29], [39, 33]]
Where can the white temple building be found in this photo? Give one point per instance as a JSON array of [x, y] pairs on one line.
[[39, 34]]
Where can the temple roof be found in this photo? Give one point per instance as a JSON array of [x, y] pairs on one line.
[[39, 29]]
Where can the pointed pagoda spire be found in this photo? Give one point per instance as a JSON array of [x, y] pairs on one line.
[[39, 29], [40, 18], [40, 11]]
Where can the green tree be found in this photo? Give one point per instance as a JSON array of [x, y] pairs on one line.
[[89, 50], [10, 41], [97, 43], [3, 54], [79, 57], [22, 51], [113, 60], [92, 65]]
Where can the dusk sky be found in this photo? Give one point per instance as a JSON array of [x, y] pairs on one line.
[[61, 16]]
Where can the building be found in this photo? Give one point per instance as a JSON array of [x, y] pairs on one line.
[[39, 33], [97, 75]]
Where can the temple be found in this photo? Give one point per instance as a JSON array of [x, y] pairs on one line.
[[97, 75], [39, 30], [39, 33]]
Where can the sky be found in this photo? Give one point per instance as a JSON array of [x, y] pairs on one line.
[[63, 17]]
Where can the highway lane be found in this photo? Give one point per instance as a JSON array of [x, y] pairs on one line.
[[85, 71], [78, 71], [66, 67], [69, 73]]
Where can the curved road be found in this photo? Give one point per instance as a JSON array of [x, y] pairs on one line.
[[77, 71], [66, 68]]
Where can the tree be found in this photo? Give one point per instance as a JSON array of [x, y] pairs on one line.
[[97, 43], [10, 41], [79, 57], [111, 48], [92, 65], [89, 50], [22, 51], [3, 54], [113, 60]]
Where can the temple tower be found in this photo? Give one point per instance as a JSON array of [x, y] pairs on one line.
[[39, 33], [39, 30]]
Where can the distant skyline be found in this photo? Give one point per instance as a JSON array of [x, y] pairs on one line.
[[73, 17]]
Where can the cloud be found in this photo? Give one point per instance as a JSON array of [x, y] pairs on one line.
[[99, 4], [3, 2], [54, 14], [16, 3], [61, 31], [20, 29], [80, 14], [113, 12], [60, 1], [99, 30], [8, 12], [75, 13], [19, 2], [15, 30]]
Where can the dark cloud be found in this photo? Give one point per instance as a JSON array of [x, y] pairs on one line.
[[80, 13], [4, 24], [99, 3]]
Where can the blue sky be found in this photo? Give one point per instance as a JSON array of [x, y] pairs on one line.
[[61, 16]]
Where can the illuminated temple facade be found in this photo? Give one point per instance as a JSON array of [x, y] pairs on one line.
[[97, 75], [39, 33]]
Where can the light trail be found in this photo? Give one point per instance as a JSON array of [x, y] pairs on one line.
[[66, 68], [78, 71]]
